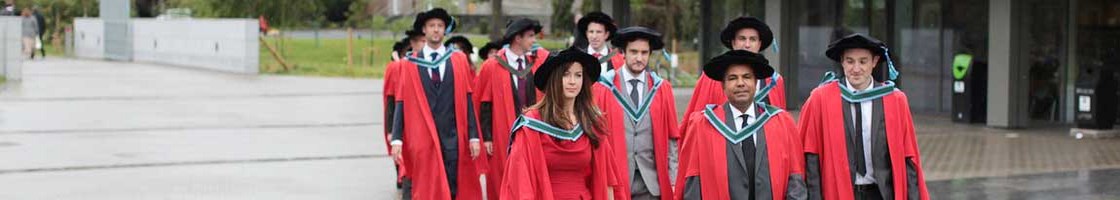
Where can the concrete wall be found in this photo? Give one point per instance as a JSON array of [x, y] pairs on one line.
[[11, 57], [229, 45], [89, 39]]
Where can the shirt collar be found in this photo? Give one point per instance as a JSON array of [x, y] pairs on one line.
[[737, 113], [428, 51], [870, 83], [626, 75], [602, 52], [512, 58]]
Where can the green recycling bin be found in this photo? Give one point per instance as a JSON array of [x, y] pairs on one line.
[[970, 89]]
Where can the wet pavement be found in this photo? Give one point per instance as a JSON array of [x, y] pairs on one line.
[[1080, 184], [81, 129], [971, 162]]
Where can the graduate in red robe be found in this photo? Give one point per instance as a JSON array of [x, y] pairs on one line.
[[489, 50], [559, 149], [435, 133], [594, 31], [858, 133], [742, 149], [399, 52], [415, 40], [503, 90], [743, 33], [641, 117]]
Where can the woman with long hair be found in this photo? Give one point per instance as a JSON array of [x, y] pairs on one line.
[[557, 152]]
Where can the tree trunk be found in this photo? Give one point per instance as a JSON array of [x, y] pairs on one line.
[[496, 21]]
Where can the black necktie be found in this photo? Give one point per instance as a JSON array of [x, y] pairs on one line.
[[634, 91], [748, 155], [857, 140], [436, 78]]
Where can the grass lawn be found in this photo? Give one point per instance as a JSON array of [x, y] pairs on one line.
[[328, 58]]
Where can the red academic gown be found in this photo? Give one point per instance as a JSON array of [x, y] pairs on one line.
[[710, 91], [703, 149], [493, 85], [388, 90], [540, 55], [422, 156], [663, 115], [527, 177], [822, 126]]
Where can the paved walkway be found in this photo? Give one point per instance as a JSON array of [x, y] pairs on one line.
[[80, 129]]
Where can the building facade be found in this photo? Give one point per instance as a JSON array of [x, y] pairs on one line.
[[1034, 49]]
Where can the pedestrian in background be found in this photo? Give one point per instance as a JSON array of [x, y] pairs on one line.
[[41, 25], [30, 31], [9, 10]]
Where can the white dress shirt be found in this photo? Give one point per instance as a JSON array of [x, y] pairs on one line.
[[752, 117], [427, 53], [627, 76], [866, 108], [511, 58], [602, 52]]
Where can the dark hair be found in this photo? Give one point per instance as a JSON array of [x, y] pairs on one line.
[[587, 114], [522, 33], [622, 48], [463, 42]]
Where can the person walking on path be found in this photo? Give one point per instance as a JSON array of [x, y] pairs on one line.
[[41, 23], [30, 31]]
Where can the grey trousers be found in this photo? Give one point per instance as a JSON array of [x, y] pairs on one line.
[[638, 190]]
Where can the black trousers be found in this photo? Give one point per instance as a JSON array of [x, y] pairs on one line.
[[42, 51], [868, 192], [406, 189], [451, 167]]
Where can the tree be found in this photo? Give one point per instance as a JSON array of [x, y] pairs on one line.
[[496, 22]]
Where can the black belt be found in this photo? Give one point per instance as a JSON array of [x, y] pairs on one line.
[[868, 187]]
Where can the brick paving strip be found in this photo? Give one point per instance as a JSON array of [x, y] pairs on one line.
[[954, 151]]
